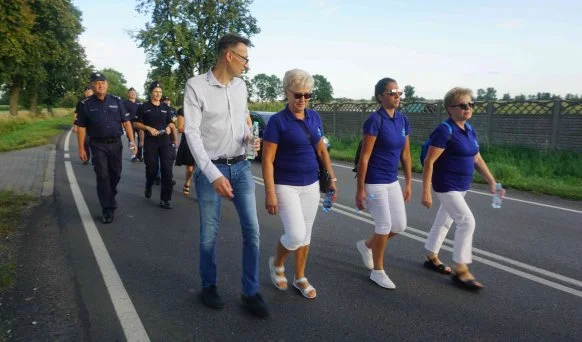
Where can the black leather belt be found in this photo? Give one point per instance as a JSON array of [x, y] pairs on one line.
[[106, 140], [230, 161]]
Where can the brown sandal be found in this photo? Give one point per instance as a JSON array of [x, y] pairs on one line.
[[470, 284], [433, 264], [186, 190]]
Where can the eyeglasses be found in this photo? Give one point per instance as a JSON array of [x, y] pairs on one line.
[[246, 59], [464, 106], [392, 92], [298, 96]]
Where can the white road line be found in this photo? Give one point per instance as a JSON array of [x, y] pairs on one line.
[[128, 317], [358, 215], [488, 194], [66, 147], [67, 155]]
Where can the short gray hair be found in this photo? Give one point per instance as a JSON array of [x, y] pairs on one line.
[[297, 79], [454, 94]]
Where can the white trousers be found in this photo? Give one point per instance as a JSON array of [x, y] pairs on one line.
[[297, 208], [453, 208], [386, 204]]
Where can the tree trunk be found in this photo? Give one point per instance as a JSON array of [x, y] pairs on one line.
[[14, 95], [33, 109]]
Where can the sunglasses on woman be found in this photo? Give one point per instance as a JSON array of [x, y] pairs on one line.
[[393, 92], [465, 106], [298, 96]]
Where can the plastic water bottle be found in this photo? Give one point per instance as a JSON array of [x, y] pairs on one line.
[[251, 143], [327, 203], [497, 200], [369, 198]]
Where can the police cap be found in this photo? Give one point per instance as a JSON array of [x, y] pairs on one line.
[[154, 85], [97, 76]]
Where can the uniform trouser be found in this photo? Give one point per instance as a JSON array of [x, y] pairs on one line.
[[159, 148], [453, 208], [139, 154], [107, 166], [87, 146]]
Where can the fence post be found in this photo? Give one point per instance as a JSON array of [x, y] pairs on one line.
[[490, 109], [555, 123]]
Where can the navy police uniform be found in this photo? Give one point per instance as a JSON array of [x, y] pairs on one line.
[[87, 146], [132, 109], [103, 121], [158, 147]]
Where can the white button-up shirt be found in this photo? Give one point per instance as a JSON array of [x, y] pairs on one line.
[[215, 120]]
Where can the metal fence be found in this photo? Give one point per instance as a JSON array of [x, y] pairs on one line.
[[555, 124]]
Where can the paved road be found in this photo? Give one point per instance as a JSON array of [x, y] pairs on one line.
[[527, 254]]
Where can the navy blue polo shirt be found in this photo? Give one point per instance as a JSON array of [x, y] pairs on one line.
[[102, 119], [295, 161], [453, 170], [131, 108], [154, 116], [383, 163]]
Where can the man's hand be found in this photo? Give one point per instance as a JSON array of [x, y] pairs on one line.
[[222, 187], [83, 154]]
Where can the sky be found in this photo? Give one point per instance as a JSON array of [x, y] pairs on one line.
[[515, 46]]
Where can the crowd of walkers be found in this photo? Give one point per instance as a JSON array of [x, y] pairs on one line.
[[215, 130]]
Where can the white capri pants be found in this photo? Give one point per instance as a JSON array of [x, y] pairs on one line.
[[453, 208], [297, 208], [386, 204]]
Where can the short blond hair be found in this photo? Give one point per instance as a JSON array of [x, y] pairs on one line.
[[454, 94], [297, 79]]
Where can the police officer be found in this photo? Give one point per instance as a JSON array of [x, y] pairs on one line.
[[131, 105], [101, 116], [155, 119], [86, 93]]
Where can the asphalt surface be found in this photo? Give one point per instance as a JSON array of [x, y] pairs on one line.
[[526, 254]]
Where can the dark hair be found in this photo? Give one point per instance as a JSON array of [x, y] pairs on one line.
[[230, 40], [381, 87]]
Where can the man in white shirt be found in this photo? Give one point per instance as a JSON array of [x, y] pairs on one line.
[[215, 113]]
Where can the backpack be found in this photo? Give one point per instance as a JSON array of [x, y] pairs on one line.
[[426, 144], [359, 149]]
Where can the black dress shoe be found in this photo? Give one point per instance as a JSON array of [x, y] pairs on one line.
[[166, 204], [211, 298], [148, 192], [255, 305], [107, 216]]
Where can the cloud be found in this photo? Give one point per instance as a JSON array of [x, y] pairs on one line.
[[512, 24]]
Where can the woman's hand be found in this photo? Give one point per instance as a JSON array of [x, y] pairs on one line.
[[427, 198], [168, 130], [271, 203], [333, 185], [361, 199], [153, 132], [407, 193]]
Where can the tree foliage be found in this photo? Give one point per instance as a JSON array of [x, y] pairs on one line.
[[487, 95], [322, 89], [409, 93], [117, 82], [267, 87], [180, 38]]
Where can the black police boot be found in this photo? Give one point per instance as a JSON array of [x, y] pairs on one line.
[[255, 305], [107, 216], [148, 192], [211, 298], [166, 204]]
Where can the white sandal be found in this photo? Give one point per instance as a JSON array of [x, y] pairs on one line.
[[304, 291], [277, 279]]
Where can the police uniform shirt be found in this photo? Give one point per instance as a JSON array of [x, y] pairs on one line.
[[131, 108], [102, 119], [157, 117], [78, 109]]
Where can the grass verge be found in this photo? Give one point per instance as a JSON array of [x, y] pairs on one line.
[[557, 173], [11, 207], [23, 132]]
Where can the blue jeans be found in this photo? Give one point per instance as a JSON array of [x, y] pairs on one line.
[[241, 180]]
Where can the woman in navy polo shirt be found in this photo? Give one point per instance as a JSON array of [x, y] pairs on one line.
[[449, 165], [385, 143], [290, 166]]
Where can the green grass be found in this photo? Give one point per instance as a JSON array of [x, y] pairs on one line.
[[11, 207], [24, 132], [557, 173]]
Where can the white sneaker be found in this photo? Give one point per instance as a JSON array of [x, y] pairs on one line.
[[380, 278], [366, 254]]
